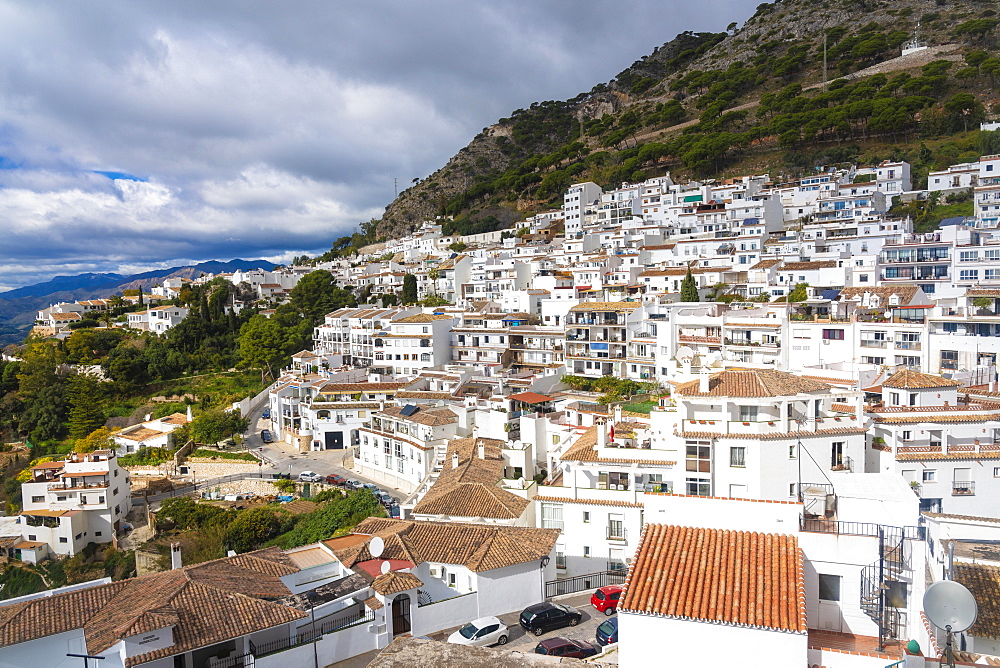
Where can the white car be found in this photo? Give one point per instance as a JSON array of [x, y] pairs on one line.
[[310, 476], [481, 632]]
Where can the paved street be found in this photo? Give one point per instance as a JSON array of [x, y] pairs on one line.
[[286, 459], [522, 641]]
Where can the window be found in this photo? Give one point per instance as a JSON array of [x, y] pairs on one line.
[[748, 413], [699, 459], [552, 516], [616, 527], [63, 539], [949, 359], [586, 517], [907, 435], [968, 275], [929, 475], [829, 587], [37, 499], [737, 456], [833, 334], [791, 452], [586, 551], [613, 480], [698, 487]]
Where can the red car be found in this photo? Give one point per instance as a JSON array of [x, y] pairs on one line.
[[576, 649], [335, 480], [605, 599]]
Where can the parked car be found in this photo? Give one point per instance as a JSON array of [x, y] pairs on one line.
[[384, 498], [394, 511], [354, 484], [481, 632], [576, 649], [265, 436], [605, 599], [542, 617], [266, 414], [310, 476], [607, 632], [374, 488], [336, 480]]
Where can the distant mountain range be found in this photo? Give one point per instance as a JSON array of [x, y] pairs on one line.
[[19, 307]]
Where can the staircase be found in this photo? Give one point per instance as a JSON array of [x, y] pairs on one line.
[[876, 584]]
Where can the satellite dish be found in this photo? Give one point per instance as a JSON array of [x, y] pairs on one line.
[[385, 567], [376, 546], [950, 606]]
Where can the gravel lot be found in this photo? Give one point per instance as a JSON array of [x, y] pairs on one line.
[[525, 642]]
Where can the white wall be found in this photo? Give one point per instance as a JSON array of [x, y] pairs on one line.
[[689, 643], [51, 651], [443, 614], [733, 514], [510, 589]]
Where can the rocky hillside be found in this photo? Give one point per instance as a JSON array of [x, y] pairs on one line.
[[753, 97]]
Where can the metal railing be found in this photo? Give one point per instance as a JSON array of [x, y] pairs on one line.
[[307, 635], [963, 488], [583, 582], [822, 525]]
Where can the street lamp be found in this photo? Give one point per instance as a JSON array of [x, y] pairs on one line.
[[311, 597]]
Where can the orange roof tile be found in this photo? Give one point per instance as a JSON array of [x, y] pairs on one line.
[[741, 578], [752, 383]]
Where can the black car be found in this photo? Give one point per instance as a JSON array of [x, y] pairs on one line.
[[265, 436], [542, 617]]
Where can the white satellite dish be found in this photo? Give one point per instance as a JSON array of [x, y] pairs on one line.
[[385, 567], [950, 606], [376, 546]]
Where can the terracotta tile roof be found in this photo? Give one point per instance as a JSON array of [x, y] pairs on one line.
[[765, 264], [741, 578], [917, 419], [360, 387], [806, 266], [530, 397], [984, 583], [835, 431], [422, 317], [585, 450], [606, 306], [394, 582], [477, 547], [373, 603], [470, 489], [983, 292], [752, 383], [909, 380], [843, 408], [421, 394], [595, 502], [140, 434], [433, 417], [206, 603], [974, 518], [944, 456]]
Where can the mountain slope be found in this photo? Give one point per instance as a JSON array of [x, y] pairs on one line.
[[751, 98], [18, 308]]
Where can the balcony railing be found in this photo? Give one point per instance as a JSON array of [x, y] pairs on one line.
[[616, 532], [963, 488]]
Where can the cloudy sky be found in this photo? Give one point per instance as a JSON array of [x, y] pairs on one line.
[[137, 135]]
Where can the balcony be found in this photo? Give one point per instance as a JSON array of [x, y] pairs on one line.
[[616, 532], [963, 488], [907, 345]]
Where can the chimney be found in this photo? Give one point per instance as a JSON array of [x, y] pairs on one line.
[[482, 450], [454, 460], [175, 556], [149, 416], [602, 433], [703, 381], [618, 413], [189, 416]]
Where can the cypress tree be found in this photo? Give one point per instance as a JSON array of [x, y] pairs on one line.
[[689, 289]]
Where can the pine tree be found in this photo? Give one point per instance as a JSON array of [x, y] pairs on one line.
[[85, 414], [409, 289], [689, 289]]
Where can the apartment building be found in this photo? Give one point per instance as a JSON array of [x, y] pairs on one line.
[[597, 337], [70, 503]]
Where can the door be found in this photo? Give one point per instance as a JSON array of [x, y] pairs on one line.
[[401, 614], [334, 440], [829, 603]]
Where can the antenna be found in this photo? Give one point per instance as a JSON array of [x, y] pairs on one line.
[[376, 546], [950, 606]]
